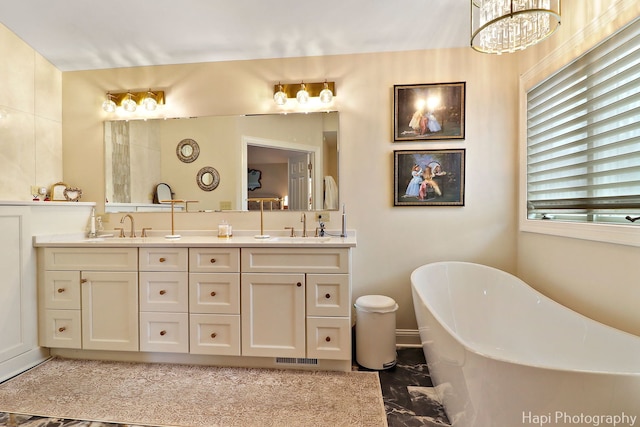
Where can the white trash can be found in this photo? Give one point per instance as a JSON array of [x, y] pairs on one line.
[[376, 331]]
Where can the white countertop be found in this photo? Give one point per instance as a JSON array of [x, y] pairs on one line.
[[244, 239]]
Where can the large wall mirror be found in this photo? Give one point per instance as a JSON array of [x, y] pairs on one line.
[[296, 156]]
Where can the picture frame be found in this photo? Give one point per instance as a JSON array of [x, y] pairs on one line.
[[432, 111], [58, 192], [72, 194], [429, 177], [254, 179]]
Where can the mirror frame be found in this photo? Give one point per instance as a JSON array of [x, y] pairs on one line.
[[215, 178], [195, 150]]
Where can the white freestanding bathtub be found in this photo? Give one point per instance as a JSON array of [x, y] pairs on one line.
[[502, 354]]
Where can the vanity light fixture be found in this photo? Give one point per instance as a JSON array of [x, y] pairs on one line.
[[149, 101], [129, 100], [303, 92], [129, 104], [506, 26], [109, 105], [326, 96], [280, 97], [302, 96]]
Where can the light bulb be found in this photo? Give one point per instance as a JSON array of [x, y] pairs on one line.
[[150, 102], [108, 105], [280, 97], [302, 96], [325, 94], [129, 104]]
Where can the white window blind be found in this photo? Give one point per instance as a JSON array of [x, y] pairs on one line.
[[583, 136]]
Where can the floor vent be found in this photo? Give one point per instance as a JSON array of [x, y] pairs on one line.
[[295, 361]]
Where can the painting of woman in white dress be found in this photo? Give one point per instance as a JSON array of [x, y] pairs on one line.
[[429, 111]]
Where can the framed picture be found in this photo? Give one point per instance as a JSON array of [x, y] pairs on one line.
[[253, 180], [429, 177], [57, 192], [428, 111]]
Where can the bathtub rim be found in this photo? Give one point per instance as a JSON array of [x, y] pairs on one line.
[[471, 349]]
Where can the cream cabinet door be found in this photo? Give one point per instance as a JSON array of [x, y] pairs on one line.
[[109, 310], [273, 315]]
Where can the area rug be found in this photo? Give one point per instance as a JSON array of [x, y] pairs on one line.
[[194, 396]]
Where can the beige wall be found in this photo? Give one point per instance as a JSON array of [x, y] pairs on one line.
[[392, 241], [600, 280], [30, 119]]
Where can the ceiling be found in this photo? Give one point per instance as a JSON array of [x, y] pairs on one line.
[[88, 35]]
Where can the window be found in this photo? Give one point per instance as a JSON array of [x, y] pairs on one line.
[[583, 136]]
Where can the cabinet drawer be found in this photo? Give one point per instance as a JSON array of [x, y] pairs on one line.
[[61, 329], [214, 260], [163, 259], [295, 260], [164, 291], [214, 293], [61, 290], [91, 259], [164, 332], [215, 334], [328, 295], [328, 338]]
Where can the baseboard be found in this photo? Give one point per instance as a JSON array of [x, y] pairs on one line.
[[22, 362], [408, 338]]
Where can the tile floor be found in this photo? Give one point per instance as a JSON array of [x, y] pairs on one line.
[[409, 399]]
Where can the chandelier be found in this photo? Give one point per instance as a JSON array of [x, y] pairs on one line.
[[506, 26]]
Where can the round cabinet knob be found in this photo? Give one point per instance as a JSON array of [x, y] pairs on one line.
[[328, 339], [162, 292], [162, 259], [84, 280], [213, 293], [298, 284], [213, 335], [62, 329], [212, 260], [327, 296], [163, 333], [60, 290]]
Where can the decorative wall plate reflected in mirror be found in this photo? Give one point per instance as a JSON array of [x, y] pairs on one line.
[[208, 178], [187, 150]]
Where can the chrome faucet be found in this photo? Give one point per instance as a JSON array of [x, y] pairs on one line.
[[133, 227], [303, 220]]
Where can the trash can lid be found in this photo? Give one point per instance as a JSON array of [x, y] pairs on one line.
[[376, 304]]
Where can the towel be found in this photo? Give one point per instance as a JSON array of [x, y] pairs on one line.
[[330, 193]]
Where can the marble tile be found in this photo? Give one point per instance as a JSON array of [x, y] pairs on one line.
[[409, 396], [15, 420]]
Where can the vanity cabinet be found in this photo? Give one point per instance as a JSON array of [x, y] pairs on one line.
[[296, 303], [90, 298], [254, 305], [164, 300], [214, 301]]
